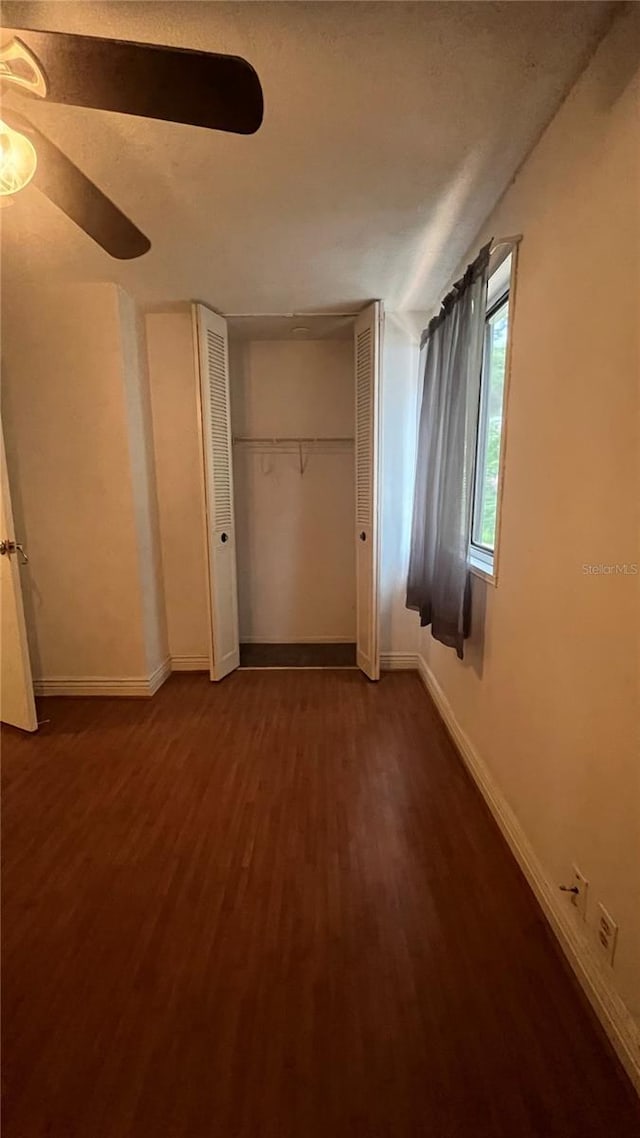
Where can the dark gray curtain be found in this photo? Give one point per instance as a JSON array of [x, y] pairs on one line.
[[438, 581]]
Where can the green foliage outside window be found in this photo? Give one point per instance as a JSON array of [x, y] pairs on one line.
[[496, 331]]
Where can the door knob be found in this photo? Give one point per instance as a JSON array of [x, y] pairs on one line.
[[7, 547], [363, 536], [224, 537]]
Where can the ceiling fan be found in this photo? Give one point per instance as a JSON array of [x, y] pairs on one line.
[[219, 92]]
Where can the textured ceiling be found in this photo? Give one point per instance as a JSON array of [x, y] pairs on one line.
[[290, 327], [390, 131]]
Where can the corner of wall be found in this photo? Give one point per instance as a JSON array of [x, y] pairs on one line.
[[67, 429], [610, 1009], [541, 708], [174, 396], [143, 484], [400, 360]]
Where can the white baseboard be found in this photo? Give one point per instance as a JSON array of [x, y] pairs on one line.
[[159, 675], [189, 663], [613, 1014], [94, 685], [398, 661], [138, 687]]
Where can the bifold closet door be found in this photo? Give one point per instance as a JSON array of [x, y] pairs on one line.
[[212, 350], [367, 383], [17, 705]]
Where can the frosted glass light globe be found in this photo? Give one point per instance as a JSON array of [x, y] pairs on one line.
[[18, 160]]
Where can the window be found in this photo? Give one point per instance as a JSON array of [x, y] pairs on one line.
[[486, 495]]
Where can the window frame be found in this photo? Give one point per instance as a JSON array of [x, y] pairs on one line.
[[501, 282]]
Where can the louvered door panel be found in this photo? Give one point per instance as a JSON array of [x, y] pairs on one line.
[[363, 425], [367, 382], [219, 420], [213, 361]]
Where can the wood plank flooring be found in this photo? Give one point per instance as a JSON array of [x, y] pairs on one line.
[[297, 655], [277, 908]]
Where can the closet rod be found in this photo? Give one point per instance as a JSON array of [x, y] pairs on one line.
[[514, 240], [293, 441], [292, 315]]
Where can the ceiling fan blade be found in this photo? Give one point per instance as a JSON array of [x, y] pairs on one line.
[[221, 92], [77, 196]]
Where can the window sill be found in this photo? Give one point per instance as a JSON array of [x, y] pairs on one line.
[[482, 564]]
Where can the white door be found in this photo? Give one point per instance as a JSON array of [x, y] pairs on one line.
[[368, 337], [17, 705], [213, 361]]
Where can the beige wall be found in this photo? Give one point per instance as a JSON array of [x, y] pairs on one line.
[[548, 693], [143, 479], [294, 533], [178, 460], [72, 395], [398, 410]]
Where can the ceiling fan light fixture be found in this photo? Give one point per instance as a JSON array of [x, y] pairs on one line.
[[19, 67], [181, 85], [18, 160]]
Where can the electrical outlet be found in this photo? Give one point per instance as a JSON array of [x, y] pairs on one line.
[[579, 899], [607, 934]]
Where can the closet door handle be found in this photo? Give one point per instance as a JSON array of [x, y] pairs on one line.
[[224, 537], [7, 547], [363, 536]]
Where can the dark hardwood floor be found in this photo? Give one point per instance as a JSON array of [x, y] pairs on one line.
[[278, 908], [297, 655]]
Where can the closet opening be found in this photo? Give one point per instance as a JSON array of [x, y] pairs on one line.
[[292, 410], [289, 426]]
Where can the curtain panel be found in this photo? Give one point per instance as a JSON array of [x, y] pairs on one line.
[[438, 585]]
